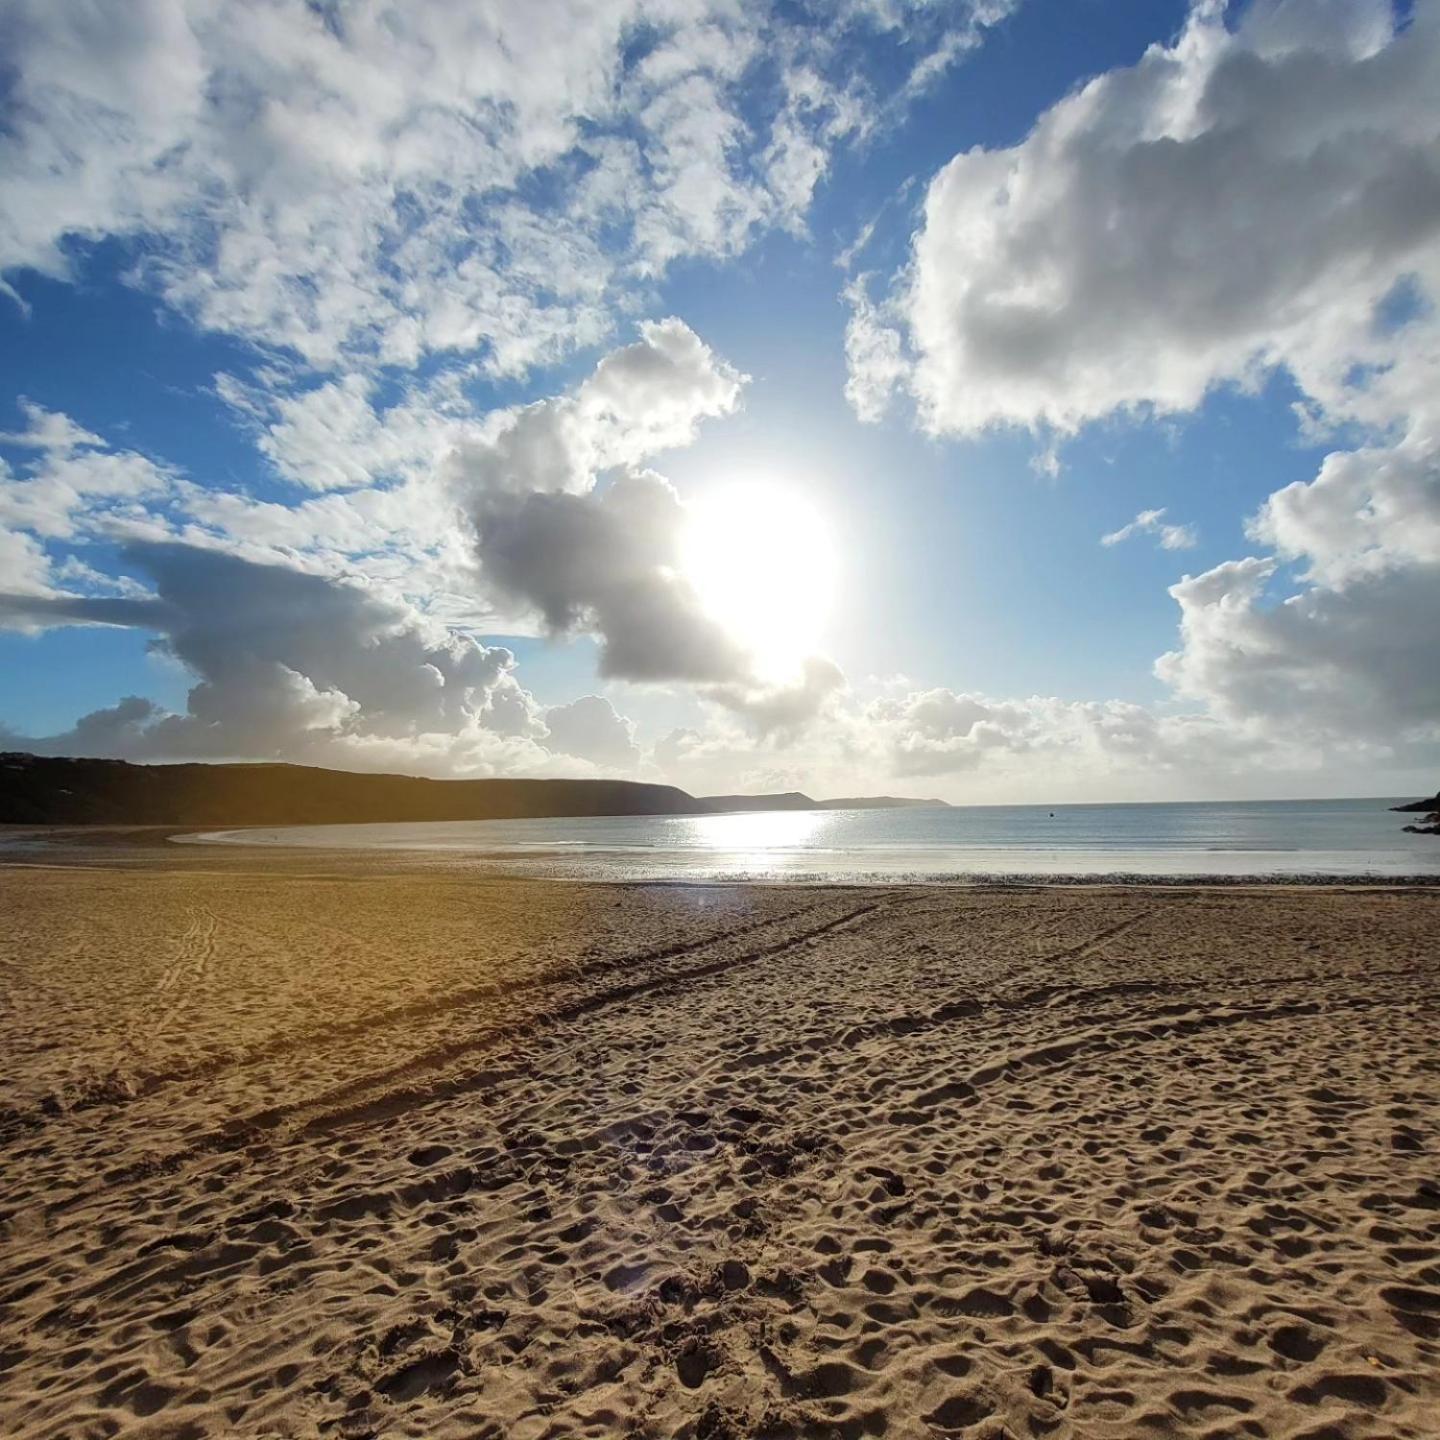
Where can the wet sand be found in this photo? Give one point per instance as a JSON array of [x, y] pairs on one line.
[[299, 1147]]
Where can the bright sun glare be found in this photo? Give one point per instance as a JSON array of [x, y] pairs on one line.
[[762, 561]]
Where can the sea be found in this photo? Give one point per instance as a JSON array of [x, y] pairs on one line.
[[1275, 839]]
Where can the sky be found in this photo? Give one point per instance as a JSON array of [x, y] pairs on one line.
[[996, 400]]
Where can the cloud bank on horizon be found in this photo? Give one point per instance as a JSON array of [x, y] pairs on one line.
[[441, 244]]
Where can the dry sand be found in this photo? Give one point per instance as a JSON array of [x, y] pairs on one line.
[[368, 1153]]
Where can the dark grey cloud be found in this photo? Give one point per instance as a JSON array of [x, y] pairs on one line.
[[1355, 663], [296, 665], [780, 710], [554, 536], [607, 562]]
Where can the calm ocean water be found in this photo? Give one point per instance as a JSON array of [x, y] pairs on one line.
[[1282, 838]]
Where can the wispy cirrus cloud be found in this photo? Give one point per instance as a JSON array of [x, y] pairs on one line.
[[1152, 522]]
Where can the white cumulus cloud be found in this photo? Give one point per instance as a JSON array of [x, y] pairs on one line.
[[378, 181], [1241, 199], [1263, 193]]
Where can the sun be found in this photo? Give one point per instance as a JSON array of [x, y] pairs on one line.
[[761, 559]]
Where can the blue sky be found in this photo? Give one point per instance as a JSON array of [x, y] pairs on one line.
[[932, 297]]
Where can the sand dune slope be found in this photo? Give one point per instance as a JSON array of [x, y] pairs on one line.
[[420, 1155]]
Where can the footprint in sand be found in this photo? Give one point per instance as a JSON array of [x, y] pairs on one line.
[[958, 1412]]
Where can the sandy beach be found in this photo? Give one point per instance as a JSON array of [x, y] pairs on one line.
[[300, 1147]]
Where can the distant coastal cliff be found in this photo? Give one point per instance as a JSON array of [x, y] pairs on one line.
[[35, 790], [42, 790]]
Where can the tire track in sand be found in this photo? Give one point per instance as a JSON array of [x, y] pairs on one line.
[[350, 1104], [192, 965], [15, 1121]]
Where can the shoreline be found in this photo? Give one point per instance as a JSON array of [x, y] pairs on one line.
[[70, 846]]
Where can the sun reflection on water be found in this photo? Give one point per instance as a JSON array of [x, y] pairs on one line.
[[759, 838]]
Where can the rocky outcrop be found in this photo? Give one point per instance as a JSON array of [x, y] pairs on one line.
[[1420, 806], [1430, 825]]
